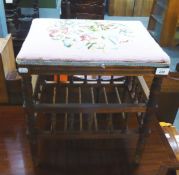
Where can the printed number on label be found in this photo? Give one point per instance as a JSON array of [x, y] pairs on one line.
[[162, 71], [23, 70]]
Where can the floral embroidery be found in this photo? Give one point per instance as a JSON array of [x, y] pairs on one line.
[[90, 34]]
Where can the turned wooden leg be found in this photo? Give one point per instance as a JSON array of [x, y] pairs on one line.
[[152, 105], [30, 117]]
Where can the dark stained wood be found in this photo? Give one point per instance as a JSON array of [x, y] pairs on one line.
[[27, 95], [100, 108], [169, 84], [27, 92], [168, 98], [91, 9], [94, 69], [152, 103], [168, 168], [76, 157], [13, 82], [76, 106], [87, 135]]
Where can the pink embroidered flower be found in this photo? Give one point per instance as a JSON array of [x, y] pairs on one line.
[[53, 32], [57, 32], [64, 30], [86, 37]]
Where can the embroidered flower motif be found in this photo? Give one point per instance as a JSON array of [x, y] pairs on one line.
[[90, 34]]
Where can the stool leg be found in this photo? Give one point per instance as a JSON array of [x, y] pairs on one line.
[[149, 116], [30, 116]]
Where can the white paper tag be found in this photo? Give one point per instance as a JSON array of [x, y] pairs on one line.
[[23, 70], [162, 71], [9, 1]]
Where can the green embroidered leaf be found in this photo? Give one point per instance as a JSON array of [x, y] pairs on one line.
[[91, 45]]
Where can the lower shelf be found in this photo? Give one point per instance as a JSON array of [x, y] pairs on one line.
[[88, 107]]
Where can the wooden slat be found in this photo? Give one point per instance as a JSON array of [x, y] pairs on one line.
[[88, 108], [112, 79], [94, 114], [133, 90], [119, 101], [71, 121], [81, 116], [117, 95], [53, 118], [72, 135], [71, 79], [144, 86], [128, 88], [99, 79], [85, 79], [36, 86], [66, 115], [110, 122]]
